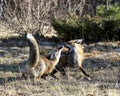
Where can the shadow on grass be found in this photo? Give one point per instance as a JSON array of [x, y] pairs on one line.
[[102, 47], [105, 73], [5, 80], [99, 64], [9, 68]]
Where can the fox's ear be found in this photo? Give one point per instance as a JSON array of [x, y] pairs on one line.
[[78, 41]]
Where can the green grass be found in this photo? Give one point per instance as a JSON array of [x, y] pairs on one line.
[[114, 11]]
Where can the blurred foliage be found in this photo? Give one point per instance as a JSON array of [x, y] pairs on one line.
[[72, 19], [103, 27], [91, 29], [114, 11]]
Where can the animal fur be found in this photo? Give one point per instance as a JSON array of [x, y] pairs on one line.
[[38, 65], [71, 57]]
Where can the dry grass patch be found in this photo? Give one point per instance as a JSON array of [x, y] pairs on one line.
[[103, 69]]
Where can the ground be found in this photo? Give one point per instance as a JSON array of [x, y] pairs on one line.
[[102, 62]]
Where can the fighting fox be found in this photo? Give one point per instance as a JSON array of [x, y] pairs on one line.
[[38, 65], [71, 57]]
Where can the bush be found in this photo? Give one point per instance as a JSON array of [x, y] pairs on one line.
[[67, 29], [114, 11], [111, 29], [90, 29]]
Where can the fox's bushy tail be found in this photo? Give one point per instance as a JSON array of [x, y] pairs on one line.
[[33, 51]]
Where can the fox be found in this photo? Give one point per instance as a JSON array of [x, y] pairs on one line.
[[38, 65], [71, 57]]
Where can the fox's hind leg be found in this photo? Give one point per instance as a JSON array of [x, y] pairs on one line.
[[84, 72]]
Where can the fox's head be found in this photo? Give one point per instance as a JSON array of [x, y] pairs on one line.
[[73, 44], [54, 53], [77, 41]]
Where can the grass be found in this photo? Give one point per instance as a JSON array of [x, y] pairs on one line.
[[101, 61], [98, 62]]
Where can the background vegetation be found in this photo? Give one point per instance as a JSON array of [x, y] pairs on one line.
[[92, 20], [104, 26]]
